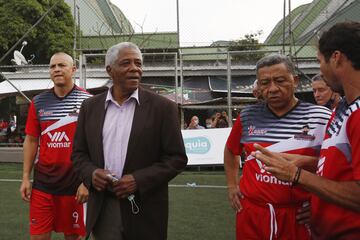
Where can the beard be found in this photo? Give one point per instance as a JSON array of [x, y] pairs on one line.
[[335, 85]]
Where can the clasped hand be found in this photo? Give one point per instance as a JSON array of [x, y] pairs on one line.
[[122, 188]]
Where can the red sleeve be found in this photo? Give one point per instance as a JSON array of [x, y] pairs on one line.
[[32, 123], [353, 132], [233, 141]]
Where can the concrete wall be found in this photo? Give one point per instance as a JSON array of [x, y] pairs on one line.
[[11, 154]]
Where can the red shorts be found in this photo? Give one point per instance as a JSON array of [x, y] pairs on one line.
[[264, 221], [57, 213]]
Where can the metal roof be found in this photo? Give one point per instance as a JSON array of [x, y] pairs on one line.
[[100, 17], [308, 19]]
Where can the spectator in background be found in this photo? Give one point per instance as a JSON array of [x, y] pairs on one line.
[[18, 139], [194, 123], [209, 122], [221, 120], [3, 131], [10, 129], [13, 122], [323, 94], [3, 124]]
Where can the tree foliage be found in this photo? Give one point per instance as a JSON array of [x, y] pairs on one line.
[[248, 43], [53, 34]]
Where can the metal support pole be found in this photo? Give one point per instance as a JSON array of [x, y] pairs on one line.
[[81, 75], [176, 79], [15, 87], [182, 120], [229, 102], [290, 29], [75, 30], [84, 68], [284, 27], [181, 78], [182, 117], [178, 21], [79, 27]]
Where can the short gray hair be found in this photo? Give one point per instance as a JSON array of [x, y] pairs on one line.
[[274, 59], [318, 77], [113, 52]]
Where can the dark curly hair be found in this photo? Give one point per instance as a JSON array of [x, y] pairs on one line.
[[343, 37]]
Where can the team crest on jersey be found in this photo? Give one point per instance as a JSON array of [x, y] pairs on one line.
[[253, 131], [43, 113], [304, 135]]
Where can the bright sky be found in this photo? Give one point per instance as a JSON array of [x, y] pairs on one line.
[[205, 21]]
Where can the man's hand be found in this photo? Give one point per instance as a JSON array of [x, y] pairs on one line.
[[25, 190], [125, 186], [294, 158], [82, 194], [235, 195], [281, 168], [100, 180], [303, 214], [307, 162]]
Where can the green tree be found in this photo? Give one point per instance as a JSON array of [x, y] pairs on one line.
[[54, 33], [248, 43]]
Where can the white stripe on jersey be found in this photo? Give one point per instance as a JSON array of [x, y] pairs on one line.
[[292, 144], [62, 122]]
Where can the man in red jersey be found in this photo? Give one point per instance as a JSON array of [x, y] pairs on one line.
[[56, 195], [266, 207], [335, 204]]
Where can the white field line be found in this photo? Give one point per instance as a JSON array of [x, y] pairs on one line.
[[189, 185], [10, 180]]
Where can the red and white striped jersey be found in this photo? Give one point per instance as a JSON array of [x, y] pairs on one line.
[[299, 131], [339, 161], [53, 120]]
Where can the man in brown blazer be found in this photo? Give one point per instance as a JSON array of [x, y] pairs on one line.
[[127, 147]]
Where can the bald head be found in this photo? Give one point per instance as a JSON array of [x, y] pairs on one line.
[[65, 56], [62, 70]]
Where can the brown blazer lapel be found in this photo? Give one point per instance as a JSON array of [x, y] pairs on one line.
[[97, 136], [140, 116]]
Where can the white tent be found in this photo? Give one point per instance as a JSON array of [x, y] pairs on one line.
[[28, 85]]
